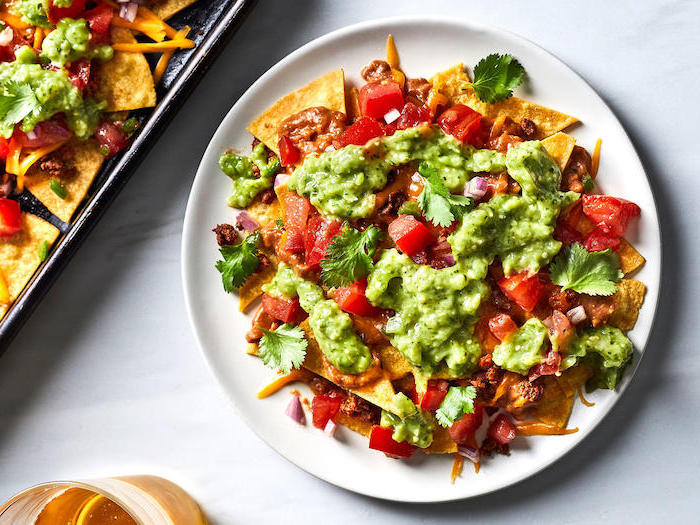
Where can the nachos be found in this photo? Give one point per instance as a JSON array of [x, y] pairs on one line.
[[431, 256], [70, 73]]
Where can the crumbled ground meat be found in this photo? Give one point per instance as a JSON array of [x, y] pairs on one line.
[[418, 88], [357, 407], [578, 166], [393, 203], [486, 361], [376, 71], [528, 129], [527, 391], [59, 164], [264, 261], [313, 129], [226, 235], [490, 446], [563, 300], [267, 196], [486, 382], [320, 386]]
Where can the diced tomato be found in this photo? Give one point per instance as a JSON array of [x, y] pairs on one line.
[[560, 329], [362, 131], [380, 439], [412, 116], [610, 214], [44, 134], [285, 310], [377, 99], [296, 215], [410, 235], [112, 137], [463, 123], [523, 289], [599, 240], [549, 367], [352, 299], [502, 326], [567, 235], [56, 13], [319, 233], [4, 147], [502, 430], [462, 430], [324, 408], [10, 217], [434, 395], [289, 153], [79, 73], [99, 19]]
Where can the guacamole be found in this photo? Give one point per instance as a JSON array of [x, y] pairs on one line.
[[69, 42], [45, 93], [410, 425], [435, 312], [606, 349], [245, 183], [524, 349], [331, 326], [31, 11], [342, 183]]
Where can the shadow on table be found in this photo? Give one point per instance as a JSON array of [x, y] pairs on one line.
[[152, 206]]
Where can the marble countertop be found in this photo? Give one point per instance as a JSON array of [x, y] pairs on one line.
[[105, 378]]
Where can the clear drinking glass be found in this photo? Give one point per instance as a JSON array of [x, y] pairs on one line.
[[128, 500]]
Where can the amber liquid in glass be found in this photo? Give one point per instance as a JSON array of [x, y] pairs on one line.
[[83, 507]]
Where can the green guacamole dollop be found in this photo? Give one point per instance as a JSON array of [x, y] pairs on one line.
[[69, 42], [524, 349], [246, 185], [606, 349], [31, 11], [331, 326], [410, 425], [435, 312], [342, 183], [54, 93]]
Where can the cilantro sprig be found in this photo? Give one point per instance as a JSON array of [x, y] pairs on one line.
[[495, 77], [436, 202], [349, 256], [592, 273], [239, 262], [16, 102], [458, 402], [283, 348]]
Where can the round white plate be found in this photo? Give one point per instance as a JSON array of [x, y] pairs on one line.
[[426, 45]]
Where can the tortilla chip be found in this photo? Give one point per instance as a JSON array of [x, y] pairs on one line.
[[265, 214], [327, 91], [393, 362], [442, 442], [126, 81], [356, 424], [548, 121], [630, 258], [252, 288], [166, 8], [559, 395], [628, 300], [87, 160], [19, 256], [559, 146]]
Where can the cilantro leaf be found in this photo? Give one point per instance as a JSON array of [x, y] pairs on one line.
[[496, 76], [16, 102], [458, 402], [592, 273], [349, 256], [438, 205], [239, 262], [283, 348]]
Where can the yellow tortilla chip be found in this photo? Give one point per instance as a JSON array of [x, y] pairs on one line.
[[327, 91], [166, 8], [559, 146], [559, 395], [548, 121], [126, 81], [252, 288], [87, 160], [630, 258], [19, 255], [393, 362], [628, 300], [265, 214], [361, 426]]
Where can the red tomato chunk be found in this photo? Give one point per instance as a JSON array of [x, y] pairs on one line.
[[319, 234], [361, 132], [352, 299], [296, 214], [462, 430], [410, 235], [377, 99], [598, 240], [324, 408], [462, 122], [502, 326], [10, 217], [502, 430], [434, 395], [289, 153], [610, 214], [380, 439], [525, 290], [285, 310]]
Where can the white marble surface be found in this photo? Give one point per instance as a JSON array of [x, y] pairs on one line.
[[105, 378]]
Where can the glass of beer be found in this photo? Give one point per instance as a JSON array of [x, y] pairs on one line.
[[128, 500]]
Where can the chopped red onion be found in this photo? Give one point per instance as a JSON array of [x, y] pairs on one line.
[[476, 188], [6, 36], [295, 410], [31, 135], [128, 11], [442, 252], [392, 115], [281, 179], [577, 315], [245, 221], [330, 428], [472, 454]]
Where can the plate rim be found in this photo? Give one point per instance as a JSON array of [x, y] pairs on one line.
[[466, 24]]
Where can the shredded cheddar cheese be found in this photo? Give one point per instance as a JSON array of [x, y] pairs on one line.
[[38, 37], [19, 167], [435, 99], [150, 28], [457, 466], [166, 56], [595, 160], [280, 382], [583, 399], [392, 55], [183, 43], [541, 429], [14, 21], [12, 160], [4, 289]]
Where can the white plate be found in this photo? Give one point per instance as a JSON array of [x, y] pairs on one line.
[[426, 45]]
